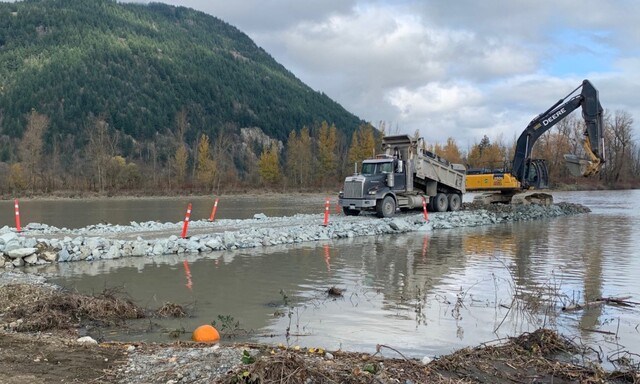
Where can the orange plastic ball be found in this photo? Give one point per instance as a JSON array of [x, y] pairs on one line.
[[205, 334]]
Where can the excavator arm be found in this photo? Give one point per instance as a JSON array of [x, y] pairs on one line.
[[594, 136], [594, 139]]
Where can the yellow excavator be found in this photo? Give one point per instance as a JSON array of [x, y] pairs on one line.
[[528, 174]]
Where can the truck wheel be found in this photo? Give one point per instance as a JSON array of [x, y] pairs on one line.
[[386, 207], [350, 212], [454, 202], [441, 203], [431, 204]]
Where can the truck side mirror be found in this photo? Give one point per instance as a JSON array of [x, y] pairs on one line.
[[400, 166]]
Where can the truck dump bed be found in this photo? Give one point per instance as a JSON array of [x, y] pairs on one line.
[[426, 166]]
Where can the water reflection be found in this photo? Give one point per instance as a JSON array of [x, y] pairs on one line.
[[424, 293]]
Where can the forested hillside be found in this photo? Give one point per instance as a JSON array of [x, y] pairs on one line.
[[139, 81]]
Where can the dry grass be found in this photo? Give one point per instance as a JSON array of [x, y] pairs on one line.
[[171, 310], [42, 308], [532, 357]]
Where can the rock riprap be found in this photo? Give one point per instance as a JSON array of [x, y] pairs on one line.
[[41, 244]]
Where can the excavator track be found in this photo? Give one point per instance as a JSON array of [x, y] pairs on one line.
[[518, 198]]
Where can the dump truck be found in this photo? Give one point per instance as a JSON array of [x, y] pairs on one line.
[[404, 176]]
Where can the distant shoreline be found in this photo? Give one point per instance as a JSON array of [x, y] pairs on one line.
[[62, 195]]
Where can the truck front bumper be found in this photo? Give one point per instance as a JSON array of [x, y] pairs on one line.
[[357, 203]]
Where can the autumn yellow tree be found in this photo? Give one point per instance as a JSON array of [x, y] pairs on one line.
[[269, 165], [551, 147], [17, 181], [487, 155], [363, 144], [120, 174], [205, 165], [451, 152], [327, 155], [179, 163], [300, 157]]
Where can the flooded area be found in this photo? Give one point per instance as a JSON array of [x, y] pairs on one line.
[[420, 293], [77, 213]]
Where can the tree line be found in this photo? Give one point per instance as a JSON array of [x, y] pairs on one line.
[[622, 152], [316, 157]]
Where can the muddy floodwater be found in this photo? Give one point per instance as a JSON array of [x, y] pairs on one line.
[[420, 293]]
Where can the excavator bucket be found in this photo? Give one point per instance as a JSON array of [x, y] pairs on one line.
[[579, 166]]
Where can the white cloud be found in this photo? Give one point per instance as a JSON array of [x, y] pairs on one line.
[[459, 68]]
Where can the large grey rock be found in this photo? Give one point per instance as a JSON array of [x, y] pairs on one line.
[[229, 239], [96, 253], [112, 253], [11, 245], [215, 244], [36, 226], [159, 247], [139, 248], [64, 255], [193, 246], [127, 250], [94, 242], [20, 252], [85, 252], [31, 259], [400, 225], [5, 237], [86, 340], [49, 256], [30, 242]]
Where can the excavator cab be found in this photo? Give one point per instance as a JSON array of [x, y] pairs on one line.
[[537, 176]]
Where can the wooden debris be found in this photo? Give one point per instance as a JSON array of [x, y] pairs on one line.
[[617, 301]]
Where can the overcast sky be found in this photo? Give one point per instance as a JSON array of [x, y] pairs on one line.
[[449, 68]]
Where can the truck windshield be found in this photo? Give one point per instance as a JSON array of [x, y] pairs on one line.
[[376, 168]]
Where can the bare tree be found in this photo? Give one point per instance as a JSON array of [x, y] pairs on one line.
[[619, 137], [31, 145], [101, 147]]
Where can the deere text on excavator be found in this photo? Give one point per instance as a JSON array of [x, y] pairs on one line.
[[533, 174]]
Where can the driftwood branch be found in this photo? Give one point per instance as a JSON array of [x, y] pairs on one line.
[[618, 301]]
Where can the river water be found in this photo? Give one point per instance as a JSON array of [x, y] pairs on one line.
[[420, 293]]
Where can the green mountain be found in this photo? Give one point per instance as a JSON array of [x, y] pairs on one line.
[[136, 66]]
